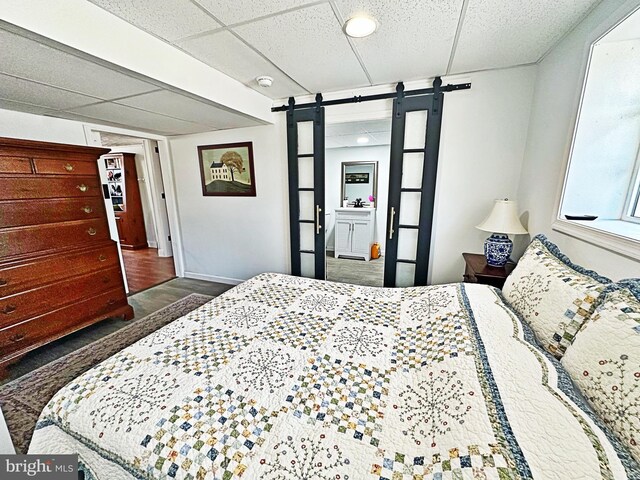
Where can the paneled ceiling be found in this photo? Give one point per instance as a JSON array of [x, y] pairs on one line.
[[301, 45], [48, 79], [367, 133]]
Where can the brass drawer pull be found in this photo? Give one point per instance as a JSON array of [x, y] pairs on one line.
[[106, 279], [82, 187], [8, 309], [17, 337], [68, 167], [87, 209], [3, 282], [92, 231], [102, 258], [111, 301]]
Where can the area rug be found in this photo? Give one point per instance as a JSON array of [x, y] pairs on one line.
[[23, 399]]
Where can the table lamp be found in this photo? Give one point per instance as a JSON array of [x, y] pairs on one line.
[[502, 222]]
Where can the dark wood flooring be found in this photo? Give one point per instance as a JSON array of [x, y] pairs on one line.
[[145, 269], [143, 303]]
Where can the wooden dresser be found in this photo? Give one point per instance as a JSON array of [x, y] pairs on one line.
[[59, 268], [122, 178]]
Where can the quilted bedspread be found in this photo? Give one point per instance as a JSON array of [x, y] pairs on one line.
[[290, 378]]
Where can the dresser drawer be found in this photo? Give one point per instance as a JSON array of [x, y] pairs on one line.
[[29, 274], [22, 306], [22, 240], [57, 323], [49, 187], [19, 213], [14, 164], [59, 166]]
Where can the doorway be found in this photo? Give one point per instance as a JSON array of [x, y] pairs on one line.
[[132, 175], [356, 186]]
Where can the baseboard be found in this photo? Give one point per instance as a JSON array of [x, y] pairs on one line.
[[152, 244], [212, 278]]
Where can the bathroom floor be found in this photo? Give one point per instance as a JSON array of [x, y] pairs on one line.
[[355, 271]]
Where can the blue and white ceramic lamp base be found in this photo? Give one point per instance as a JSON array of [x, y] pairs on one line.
[[497, 249]]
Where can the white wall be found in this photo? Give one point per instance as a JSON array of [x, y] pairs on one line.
[[234, 238], [557, 92], [483, 141], [482, 145], [333, 182]]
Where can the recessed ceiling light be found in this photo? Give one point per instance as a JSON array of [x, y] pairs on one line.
[[362, 140], [360, 26]]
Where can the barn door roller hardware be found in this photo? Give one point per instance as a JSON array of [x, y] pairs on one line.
[[436, 90]]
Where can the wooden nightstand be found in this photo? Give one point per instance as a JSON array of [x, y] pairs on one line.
[[477, 271]]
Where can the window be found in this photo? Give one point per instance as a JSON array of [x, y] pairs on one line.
[[632, 209], [603, 175]]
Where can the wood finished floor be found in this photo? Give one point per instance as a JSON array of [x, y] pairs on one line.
[[143, 303], [145, 269]]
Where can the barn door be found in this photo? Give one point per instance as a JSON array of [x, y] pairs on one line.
[[415, 141], [305, 145]]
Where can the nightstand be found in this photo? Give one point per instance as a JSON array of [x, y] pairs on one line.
[[477, 271]]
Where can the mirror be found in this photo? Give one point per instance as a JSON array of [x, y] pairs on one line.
[[359, 181]]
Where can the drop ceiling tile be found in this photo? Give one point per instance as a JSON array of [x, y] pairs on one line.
[[23, 107], [310, 46], [20, 90], [27, 58], [242, 10], [186, 108], [225, 52], [413, 40], [497, 34], [138, 119], [168, 19]]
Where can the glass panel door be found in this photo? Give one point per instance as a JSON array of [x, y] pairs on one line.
[[415, 140], [305, 145]]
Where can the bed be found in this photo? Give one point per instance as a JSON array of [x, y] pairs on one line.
[[289, 378]]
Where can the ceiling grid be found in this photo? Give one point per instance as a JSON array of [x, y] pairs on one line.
[[300, 43]]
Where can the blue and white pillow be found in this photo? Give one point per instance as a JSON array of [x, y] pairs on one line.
[[604, 362], [552, 294]]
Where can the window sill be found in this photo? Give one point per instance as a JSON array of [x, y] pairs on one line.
[[614, 235]]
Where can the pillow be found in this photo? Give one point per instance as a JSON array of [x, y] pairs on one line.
[[604, 362], [552, 294]]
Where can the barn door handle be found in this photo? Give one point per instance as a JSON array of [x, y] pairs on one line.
[[68, 167], [318, 226], [391, 230], [8, 309]]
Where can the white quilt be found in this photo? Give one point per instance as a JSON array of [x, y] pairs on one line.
[[289, 378]]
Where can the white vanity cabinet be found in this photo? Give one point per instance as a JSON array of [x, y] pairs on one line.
[[354, 232]]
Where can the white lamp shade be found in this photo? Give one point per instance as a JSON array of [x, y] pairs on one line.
[[503, 219]]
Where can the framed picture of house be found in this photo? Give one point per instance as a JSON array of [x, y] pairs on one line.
[[227, 169]]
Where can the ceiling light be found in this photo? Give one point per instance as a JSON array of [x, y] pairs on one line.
[[360, 26], [362, 140]]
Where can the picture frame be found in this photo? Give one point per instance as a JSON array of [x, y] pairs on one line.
[[226, 170]]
